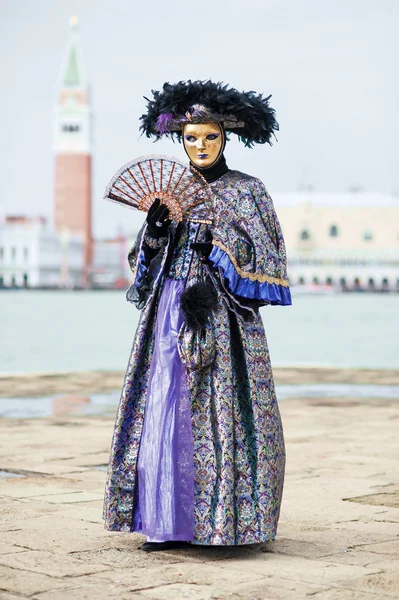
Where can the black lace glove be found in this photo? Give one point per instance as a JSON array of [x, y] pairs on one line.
[[157, 221]]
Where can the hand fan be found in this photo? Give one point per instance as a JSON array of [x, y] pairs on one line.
[[138, 183]]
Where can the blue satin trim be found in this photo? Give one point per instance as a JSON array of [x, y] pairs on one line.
[[268, 292], [141, 268]]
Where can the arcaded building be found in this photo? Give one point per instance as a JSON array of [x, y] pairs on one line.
[[347, 240]]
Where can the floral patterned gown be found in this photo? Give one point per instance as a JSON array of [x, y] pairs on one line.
[[198, 448]]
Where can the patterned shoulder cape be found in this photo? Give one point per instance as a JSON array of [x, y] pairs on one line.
[[249, 248]]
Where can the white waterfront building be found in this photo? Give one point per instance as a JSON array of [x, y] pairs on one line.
[[349, 241], [110, 267], [31, 255]]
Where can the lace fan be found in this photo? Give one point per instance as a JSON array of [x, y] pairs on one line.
[[138, 183]]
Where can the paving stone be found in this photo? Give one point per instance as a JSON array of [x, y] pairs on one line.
[[390, 547], [359, 557], [83, 512], [88, 592], [180, 590], [54, 521], [56, 540], [155, 574], [49, 563], [124, 552], [388, 530], [129, 557], [326, 547], [28, 490], [348, 594], [257, 589], [86, 476], [384, 582], [299, 569], [341, 540], [26, 583], [72, 498], [89, 460], [297, 548], [9, 549], [15, 514], [158, 578], [8, 596], [43, 468]]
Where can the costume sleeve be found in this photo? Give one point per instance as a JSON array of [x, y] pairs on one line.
[[147, 260], [249, 250]]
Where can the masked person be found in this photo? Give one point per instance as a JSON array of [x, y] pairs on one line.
[[198, 450]]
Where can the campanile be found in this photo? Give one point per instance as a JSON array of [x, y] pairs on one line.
[[73, 150]]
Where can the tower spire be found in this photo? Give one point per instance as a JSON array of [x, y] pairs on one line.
[[73, 72], [74, 22]]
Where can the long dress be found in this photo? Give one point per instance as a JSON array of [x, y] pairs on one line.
[[198, 449]]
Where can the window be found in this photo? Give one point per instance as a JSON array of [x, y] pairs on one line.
[[305, 235], [1, 253], [329, 281], [315, 280], [13, 253], [25, 280], [1, 281], [71, 128], [334, 231], [301, 281], [368, 235], [26, 253]]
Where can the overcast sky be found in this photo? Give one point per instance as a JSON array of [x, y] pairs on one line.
[[331, 66]]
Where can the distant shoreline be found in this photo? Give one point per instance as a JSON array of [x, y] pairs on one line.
[[17, 385], [310, 290]]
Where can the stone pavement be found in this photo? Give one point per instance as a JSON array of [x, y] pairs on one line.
[[338, 536]]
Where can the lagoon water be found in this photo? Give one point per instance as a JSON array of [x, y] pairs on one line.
[[89, 330], [106, 403]]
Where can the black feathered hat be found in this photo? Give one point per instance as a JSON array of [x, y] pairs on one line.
[[247, 114]]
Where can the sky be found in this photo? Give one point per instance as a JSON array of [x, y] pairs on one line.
[[331, 67]]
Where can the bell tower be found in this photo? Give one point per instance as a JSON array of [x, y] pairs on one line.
[[73, 150]]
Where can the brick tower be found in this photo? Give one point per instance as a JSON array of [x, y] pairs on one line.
[[72, 148]]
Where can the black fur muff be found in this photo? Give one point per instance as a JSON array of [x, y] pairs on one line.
[[198, 302]]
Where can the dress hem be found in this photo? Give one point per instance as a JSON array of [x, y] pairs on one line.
[[183, 538]]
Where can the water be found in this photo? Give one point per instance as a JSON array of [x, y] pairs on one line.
[[11, 475], [78, 331], [59, 406], [106, 404]]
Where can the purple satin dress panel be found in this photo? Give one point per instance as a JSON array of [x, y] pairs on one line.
[[165, 470]]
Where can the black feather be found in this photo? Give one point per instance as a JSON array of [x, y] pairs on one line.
[[198, 302], [251, 108]]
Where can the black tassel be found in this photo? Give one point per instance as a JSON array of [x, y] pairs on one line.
[[198, 302]]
